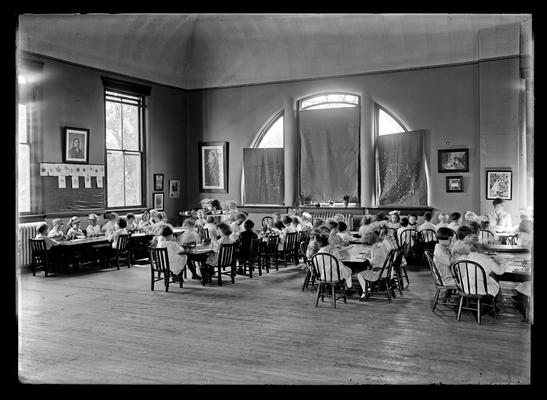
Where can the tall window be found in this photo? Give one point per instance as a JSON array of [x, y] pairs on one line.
[[272, 135], [124, 149], [388, 124], [23, 170]]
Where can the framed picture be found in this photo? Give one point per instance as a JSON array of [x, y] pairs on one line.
[[454, 184], [453, 160], [158, 201], [499, 184], [213, 167], [158, 182], [76, 145], [174, 188]]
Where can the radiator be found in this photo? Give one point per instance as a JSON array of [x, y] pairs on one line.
[[24, 233], [348, 217]]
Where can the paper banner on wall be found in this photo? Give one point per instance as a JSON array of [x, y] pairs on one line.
[[77, 171], [44, 170], [56, 169], [93, 170], [101, 170], [62, 181], [75, 182], [84, 170], [66, 169], [87, 181], [99, 181]]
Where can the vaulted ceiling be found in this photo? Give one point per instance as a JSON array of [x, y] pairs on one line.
[[215, 50]]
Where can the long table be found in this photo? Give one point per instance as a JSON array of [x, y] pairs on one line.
[[356, 256], [516, 261]]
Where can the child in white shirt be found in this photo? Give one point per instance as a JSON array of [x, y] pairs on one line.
[[211, 227], [57, 231], [190, 234], [113, 238], [75, 232], [111, 225], [131, 224], [93, 228], [177, 261], [43, 235]]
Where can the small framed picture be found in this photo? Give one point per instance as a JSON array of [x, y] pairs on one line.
[[158, 201], [499, 184], [76, 145], [454, 184], [158, 182], [174, 188], [213, 167], [453, 160]]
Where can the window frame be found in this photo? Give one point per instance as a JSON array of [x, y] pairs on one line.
[[141, 104], [30, 152]]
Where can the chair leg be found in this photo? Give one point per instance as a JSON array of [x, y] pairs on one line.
[[250, 269], [233, 273], [345, 287], [333, 294], [460, 308], [317, 296], [435, 299], [166, 282], [388, 290], [219, 276], [259, 267], [306, 280], [118, 261], [152, 279], [479, 311]]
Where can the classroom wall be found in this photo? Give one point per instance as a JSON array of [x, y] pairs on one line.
[[73, 96], [443, 101]]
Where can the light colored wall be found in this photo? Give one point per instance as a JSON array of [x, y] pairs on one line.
[[73, 96], [442, 101]]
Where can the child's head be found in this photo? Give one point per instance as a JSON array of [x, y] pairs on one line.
[[287, 220], [455, 217], [231, 204], [339, 217], [43, 229], [224, 229], [113, 217], [444, 236], [167, 232], [394, 218], [318, 222], [122, 223], [57, 223], [366, 220], [240, 218], [371, 237], [93, 219], [276, 216], [215, 204], [498, 204], [130, 218], [485, 221], [314, 234], [210, 219], [323, 240], [342, 226], [306, 217], [443, 217], [470, 216], [404, 222], [412, 218], [525, 226], [463, 232], [248, 225], [74, 223], [427, 216], [145, 215], [189, 224], [295, 221], [332, 224], [153, 214], [475, 227]]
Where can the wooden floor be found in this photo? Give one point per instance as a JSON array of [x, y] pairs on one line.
[[106, 326]]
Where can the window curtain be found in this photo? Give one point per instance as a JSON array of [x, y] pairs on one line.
[[401, 168], [329, 154], [264, 172]]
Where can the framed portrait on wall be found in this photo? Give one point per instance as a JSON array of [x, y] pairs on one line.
[[454, 184], [75, 145], [213, 167], [174, 188], [453, 160], [499, 184], [158, 182], [158, 201]]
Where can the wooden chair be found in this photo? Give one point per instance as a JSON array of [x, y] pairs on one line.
[[328, 273], [384, 279], [249, 262], [468, 287], [122, 252], [203, 233], [225, 260], [399, 270], [266, 222], [486, 237], [40, 256], [511, 240], [269, 252], [159, 262], [290, 249], [310, 273], [440, 285], [410, 240]]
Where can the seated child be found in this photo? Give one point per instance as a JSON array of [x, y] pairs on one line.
[[313, 244], [190, 234], [93, 228], [42, 234], [305, 222], [326, 247], [145, 223], [245, 238], [443, 220], [526, 237], [131, 224], [225, 238], [111, 225], [455, 221], [442, 256], [113, 237], [237, 225], [57, 230], [75, 232], [413, 221], [177, 261], [394, 220], [155, 229], [427, 222], [211, 226], [344, 233]]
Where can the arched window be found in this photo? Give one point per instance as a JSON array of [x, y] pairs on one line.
[[271, 136], [387, 123], [330, 100]]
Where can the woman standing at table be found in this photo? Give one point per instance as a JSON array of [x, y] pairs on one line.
[[500, 220]]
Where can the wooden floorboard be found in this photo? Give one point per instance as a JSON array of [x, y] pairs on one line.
[[106, 326]]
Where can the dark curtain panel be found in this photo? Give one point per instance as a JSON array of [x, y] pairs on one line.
[[264, 171], [329, 154], [401, 167]]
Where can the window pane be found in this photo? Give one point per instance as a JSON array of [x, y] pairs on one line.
[[23, 178], [22, 123], [387, 124], [114, 178], [113, 125], [274, 136], [132, 179], [337, 100], [130, 127]]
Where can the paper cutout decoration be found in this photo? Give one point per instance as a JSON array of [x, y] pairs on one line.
[[62, 182], [84, 170], [57, 169], [66, 169], [101, 170], [75, 182], [93, 170], [99, 181], [87, 181], [77, 171], [44, 170]]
